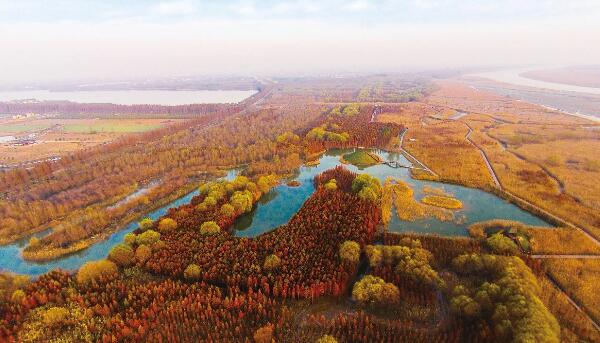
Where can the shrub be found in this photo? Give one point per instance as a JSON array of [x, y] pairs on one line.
[[331, 185], [367, 187], [350, 252], [55, 316], [96, 270], [272, 262], [146, 224], [501, 244], [167, 225], [264, 334], [227, 210], [143, 253], [17, 296], [192, 272], [34, 242], [209, 228], [242, 201], [374, 291], [148, 237], [121, 254], [327, 339], [130, 238]]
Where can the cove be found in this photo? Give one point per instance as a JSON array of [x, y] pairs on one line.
[[280, 204], [11, 259]]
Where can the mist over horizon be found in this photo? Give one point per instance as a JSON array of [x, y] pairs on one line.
[[84, 40]]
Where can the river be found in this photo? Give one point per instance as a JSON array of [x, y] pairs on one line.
[[11, 259], [279, 205], [513, 76], [133, 97]]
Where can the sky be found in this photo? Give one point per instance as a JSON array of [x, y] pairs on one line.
[[117, 39]]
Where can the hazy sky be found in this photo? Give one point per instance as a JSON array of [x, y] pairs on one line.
[[69, 39]]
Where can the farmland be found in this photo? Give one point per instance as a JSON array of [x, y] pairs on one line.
[[55, 137]]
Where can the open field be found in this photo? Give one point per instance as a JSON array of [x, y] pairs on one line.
[[579, 278], [55, 137], [442, 146], [512, 135], [361, 159]]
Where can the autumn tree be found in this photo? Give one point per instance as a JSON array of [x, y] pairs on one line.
[[350, 252], [97, 270]]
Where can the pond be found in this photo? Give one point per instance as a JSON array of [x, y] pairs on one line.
[[281, 203], [11, 259]]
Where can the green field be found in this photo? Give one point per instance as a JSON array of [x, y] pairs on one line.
[[18, 128], [109, 127], [360, 159]]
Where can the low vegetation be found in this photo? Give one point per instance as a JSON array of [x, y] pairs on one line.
[[442, 201], [362, 159]]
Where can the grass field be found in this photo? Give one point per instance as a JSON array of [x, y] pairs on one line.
[[579, 277], [23, 127], [361, 159], [109, 126], [67, 135]]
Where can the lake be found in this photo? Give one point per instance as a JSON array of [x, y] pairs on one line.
[[279, 205], [134, 97]]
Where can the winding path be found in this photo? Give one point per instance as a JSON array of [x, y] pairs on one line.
[[425, 167]]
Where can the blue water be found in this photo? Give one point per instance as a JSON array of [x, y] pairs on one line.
[[11, 259], [279, 205], [284, 201]]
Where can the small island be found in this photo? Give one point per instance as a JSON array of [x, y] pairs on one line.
[[441, 201], [361, 159], [293, 183]]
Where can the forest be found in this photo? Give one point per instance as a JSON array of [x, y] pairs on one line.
[[332, 273]]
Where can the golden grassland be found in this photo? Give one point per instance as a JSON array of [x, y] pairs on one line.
[[575, 326], [442, 201], [407, 207], [442, 146], [576, 163], [580, 279], [560, 241], [435, 191], [547, 158]]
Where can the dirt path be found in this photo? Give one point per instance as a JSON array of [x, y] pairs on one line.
[[483, 154], [575, 304], [425, 167], [565, 256]]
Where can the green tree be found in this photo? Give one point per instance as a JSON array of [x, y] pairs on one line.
[[374, 291], [350, 252], [167, 225], [130, 238], [272, 262], [146, 224], [209, 228], [192, 272], [148, 237], [121, 254], [96, 270]]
